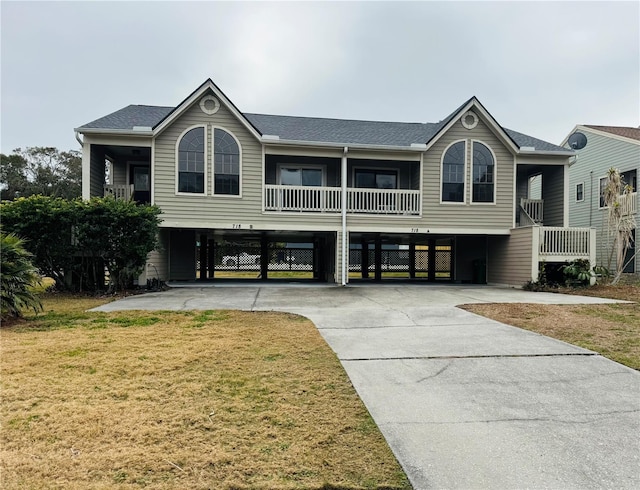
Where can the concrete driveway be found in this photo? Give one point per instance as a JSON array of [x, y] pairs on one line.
[[463, 401]]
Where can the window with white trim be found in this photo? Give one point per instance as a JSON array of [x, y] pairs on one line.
[[301, 176], [191, 166], [580, 192], [453, 170], [483, 174], [226, 163], [603, 185], [376, 179]]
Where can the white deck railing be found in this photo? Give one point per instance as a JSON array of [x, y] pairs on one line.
[[568, 242], [329, 200], [124, 191], [628, 203], [302, 198], [383, 201], [534, 209]]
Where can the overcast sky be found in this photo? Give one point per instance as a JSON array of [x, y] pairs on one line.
[[538, 67]]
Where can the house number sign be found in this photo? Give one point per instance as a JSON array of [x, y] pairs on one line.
[[241, 226]]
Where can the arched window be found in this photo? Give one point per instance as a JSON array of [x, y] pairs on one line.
[[191, 162], [226, 163], [483, 174], [453, 166]]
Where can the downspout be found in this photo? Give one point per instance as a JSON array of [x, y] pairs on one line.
[[343, 178], [590, 197], [79, 140]]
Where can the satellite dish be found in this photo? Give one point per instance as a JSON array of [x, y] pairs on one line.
[[577, 141]]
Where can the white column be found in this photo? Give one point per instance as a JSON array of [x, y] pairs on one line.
[[86, 171], [345, 241]]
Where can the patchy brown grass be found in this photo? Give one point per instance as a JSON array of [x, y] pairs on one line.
[[613, 330], [209, 399]]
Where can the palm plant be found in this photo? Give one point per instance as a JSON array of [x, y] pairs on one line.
[[17, 277]]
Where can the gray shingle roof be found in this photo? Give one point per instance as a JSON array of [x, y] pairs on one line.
[[314, 129], [526, 140], [341, 131], [130, 116]]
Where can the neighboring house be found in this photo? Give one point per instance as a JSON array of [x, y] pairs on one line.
[[437, 201], [606, 147]]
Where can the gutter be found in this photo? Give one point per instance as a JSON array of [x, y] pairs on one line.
[[344, 214], [274, 140], [123, 132], [541, 152]]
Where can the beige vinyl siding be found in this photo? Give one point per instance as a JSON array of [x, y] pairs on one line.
[[510, 257], [468, 215], [97, 171], [159, 258], [600, 154], [119, 173], [220, 211], [553, 195]]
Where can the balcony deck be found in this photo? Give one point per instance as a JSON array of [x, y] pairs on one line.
[[289, 198]]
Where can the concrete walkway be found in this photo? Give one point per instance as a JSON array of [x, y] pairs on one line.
[[463, 401]]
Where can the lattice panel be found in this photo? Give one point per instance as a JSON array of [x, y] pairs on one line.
[[291, 259], [237, 257], [443, 261]]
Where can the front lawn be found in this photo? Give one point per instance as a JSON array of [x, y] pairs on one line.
[[200, 399]]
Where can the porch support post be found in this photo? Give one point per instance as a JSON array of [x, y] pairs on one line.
[[592, 253], [364, 261], [203, 257], [211, 258], [412, 260], [378, 258], [264, 256], [431, 261], [536, 231], [345, 239], [86, 172]]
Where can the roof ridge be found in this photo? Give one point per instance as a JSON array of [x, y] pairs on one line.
[[334, 118]]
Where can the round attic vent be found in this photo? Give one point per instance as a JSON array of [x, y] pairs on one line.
[[209, 104], [469, 120]]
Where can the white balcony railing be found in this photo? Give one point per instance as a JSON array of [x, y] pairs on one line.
[[534, 209], [329, 200], [383, 201], [124, 191], [566, 242], [302, 198], [628, 203]]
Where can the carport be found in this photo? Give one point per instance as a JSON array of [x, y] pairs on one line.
[[417, 257], [208, 255]]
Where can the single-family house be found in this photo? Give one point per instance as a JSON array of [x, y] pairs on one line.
[[335, 199], [602, 148]]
